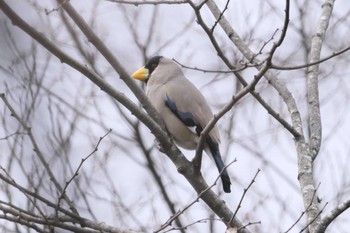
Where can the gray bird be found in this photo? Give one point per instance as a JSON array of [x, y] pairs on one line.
[[182, 107]]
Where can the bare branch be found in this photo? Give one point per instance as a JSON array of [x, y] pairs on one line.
[[219, 18], [62, 222], [306, 156], [249, 224], [315, 219], [63, 193], [191, 224], [303, 212], [172, 218], [245, 66], [327, 219], [296, 67], [149, 2], [244, 193], [11, 135], [312, 79]]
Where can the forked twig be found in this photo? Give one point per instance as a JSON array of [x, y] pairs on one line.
[[303, 212], [76, 173], [243, 195], [172, 218]]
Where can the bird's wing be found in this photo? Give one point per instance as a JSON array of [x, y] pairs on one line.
[[189, 105]]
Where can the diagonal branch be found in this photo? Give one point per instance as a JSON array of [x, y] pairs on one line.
[[149, 2], [307, 65], [176, 215], [108, 55], [326, 220], [204, 134], [63, 193], [244, 193]]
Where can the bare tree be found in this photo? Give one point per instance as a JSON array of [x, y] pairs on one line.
[[77, 151]]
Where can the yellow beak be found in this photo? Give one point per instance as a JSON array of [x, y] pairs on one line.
[[141, 74]]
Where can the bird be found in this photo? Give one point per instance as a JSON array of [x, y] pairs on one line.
[[182, 107]]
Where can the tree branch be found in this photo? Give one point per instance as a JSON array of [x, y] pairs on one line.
[[204, 134], [312, 79], [307, 65], [149, 2], [63, 193], [328, 219], [245, 192], [307, 153]]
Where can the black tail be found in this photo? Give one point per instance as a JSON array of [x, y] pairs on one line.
[[214, 149]]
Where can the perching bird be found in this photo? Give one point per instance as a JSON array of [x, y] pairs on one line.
[[182, 107]]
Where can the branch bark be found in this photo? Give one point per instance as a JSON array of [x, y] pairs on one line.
[[327, 219], [308, 152], [312, 79]]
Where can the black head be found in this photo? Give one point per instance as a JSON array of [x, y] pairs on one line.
[[152, 63]]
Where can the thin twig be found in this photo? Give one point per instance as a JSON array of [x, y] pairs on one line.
[[303, 212], [326, 220], [245, 66], [219, 18], [204, 220], [47, 12], [30, 198], [249, 224], [36, 196], [296, 67], [253, 59], [243, 195], [172, 218], [12, 134], [205, 132], [63, 193], [315, 218], [149, 2]]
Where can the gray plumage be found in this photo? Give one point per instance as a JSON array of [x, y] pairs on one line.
[[183, 109]]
